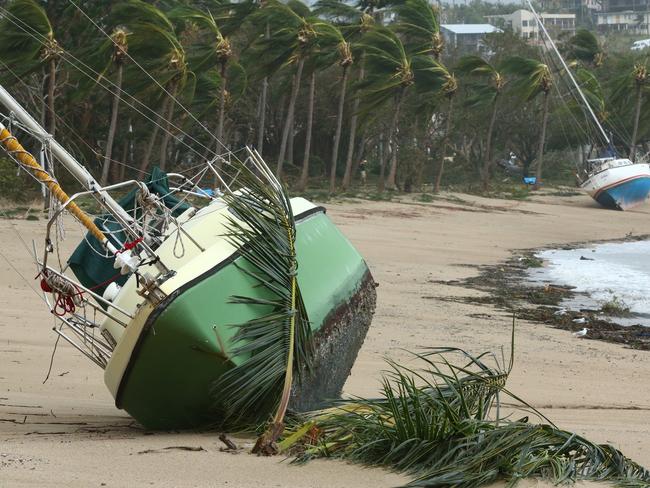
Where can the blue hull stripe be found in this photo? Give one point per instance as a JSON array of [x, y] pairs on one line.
[[626, 194]]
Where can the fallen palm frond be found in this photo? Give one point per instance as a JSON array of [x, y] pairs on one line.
[[277, 344], [443, 425]]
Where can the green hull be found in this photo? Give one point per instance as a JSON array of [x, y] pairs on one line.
[[185, 345]]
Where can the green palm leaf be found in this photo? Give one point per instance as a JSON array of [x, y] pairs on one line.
[[26, 37], [441, 424], [418, 19], [278, 342]]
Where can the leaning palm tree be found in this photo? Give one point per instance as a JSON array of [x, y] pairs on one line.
[[111, 54], [637, 78], [353, 23], [28, 45], [344, 60], [160, 56], [389, 75], [215, 50], [291, 38], [327, 47], [419, 20], [584, 47], [487, 94], [532, 78]]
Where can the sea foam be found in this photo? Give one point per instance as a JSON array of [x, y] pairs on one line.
[[605, 272]]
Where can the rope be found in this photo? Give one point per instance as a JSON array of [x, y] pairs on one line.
[[67, 295]]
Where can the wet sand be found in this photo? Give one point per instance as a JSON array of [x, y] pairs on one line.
[[67, 431]]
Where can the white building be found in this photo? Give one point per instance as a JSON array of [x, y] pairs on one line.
[[523, 22], [630, 22], [467, 37]]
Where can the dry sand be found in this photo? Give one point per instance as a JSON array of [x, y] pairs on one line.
[[67, 431]]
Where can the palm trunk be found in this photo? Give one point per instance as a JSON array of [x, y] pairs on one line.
[[222, 103], [51, 86], [290, 142], [113, 126], [288, 124], [637, 114], [262, 118], [154, 135], [337, 135], [542, 140], [392, 174], [304, 176], [445, 142], [487, 163], [381, 183], [167, 135], [347, 176], [263, 96]]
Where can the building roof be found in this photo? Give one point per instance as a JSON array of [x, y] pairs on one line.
[[471, 28]]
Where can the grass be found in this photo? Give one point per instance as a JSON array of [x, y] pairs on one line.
[[616, 308], [531, 261]]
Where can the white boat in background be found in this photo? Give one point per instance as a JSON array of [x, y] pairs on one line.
[[616, 183]]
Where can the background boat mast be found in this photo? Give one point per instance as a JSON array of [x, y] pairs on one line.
[[573, 80]]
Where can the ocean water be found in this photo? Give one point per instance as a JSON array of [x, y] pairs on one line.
[[602, 273]]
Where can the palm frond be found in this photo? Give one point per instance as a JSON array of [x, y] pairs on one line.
[[26, 36], [277, 344], [441, 423]]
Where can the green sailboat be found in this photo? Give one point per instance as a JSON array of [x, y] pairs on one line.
[[176, 326]]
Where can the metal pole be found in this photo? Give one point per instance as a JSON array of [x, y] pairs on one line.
[[575, 83]]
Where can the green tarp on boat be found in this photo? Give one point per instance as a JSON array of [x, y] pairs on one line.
[[91, 268]]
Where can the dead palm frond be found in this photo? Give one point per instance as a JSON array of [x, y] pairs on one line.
[[442, 424], [277, 344]]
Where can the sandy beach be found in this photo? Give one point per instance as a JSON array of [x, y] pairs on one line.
[[67, 432]]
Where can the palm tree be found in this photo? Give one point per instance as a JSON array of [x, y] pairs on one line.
[[584, 47], [345, 60], [389, 75], [419, 20], [533, 78], [117, 46], [28, 45], [621, 95], [292, 31], [487, 94], [353, 23], [154, 45], [217, 51]]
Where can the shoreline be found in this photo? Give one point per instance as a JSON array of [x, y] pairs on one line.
[[510, 288], [69, 430]]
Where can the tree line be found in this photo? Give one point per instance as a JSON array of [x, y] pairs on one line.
[[315, 89]]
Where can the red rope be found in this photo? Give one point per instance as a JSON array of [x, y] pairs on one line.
[[64, 303], [130, 245]]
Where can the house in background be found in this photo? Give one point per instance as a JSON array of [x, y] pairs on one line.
[[630, 16], [466, 38], [523, 23]]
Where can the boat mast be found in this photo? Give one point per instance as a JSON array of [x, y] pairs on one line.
[[573, 80], [127, 222]]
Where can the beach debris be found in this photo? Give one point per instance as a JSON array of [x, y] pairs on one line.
[[580, 320], [560, 312], [173, 448], [581, 333], [582, 258], [230, 445], [467, 447]]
